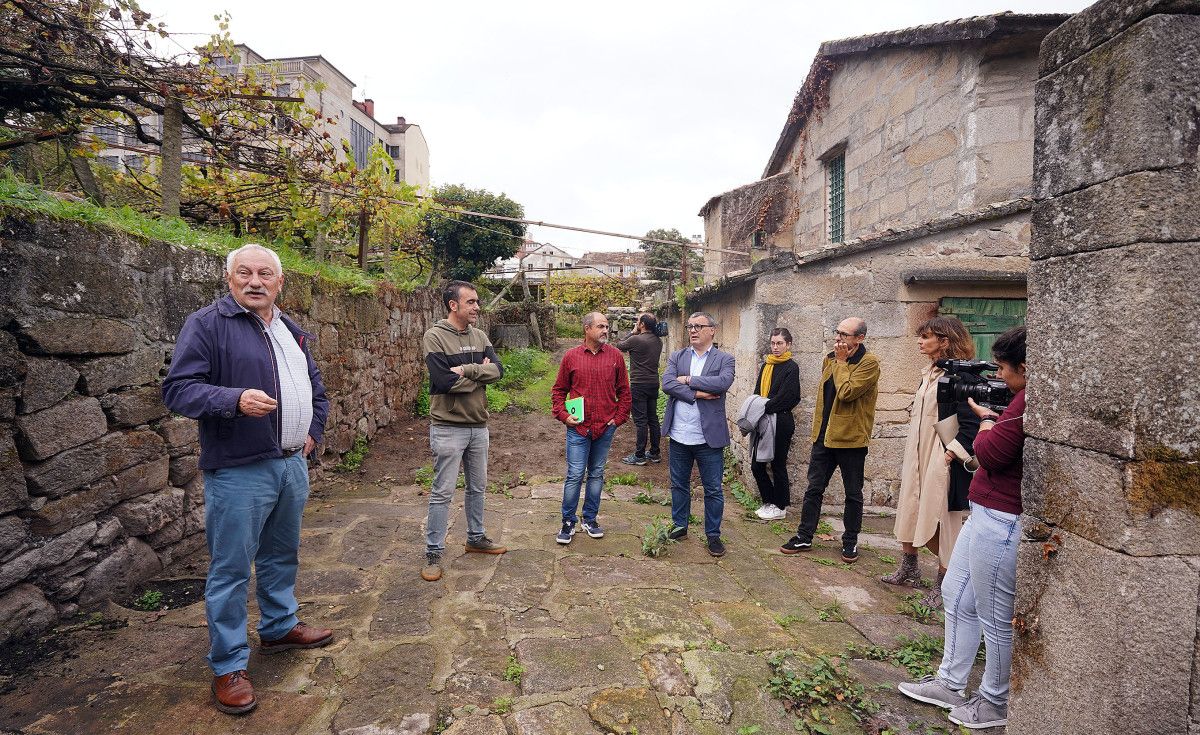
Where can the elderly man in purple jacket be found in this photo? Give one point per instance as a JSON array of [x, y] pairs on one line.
[[695, 382], [244, 370]]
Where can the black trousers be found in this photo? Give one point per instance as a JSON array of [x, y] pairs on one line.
[[820, 469], [777, 490], [645, 416]]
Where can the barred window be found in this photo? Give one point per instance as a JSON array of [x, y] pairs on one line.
[[836, 168]]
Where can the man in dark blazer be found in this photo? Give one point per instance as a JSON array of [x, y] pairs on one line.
[[695, 381]]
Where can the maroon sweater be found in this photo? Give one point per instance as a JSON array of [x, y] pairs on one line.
[[997, 483]]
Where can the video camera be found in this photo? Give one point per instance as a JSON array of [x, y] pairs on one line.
[[964, 379]]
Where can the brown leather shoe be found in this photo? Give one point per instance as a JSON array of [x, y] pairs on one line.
[[234, 693], [302, 636]]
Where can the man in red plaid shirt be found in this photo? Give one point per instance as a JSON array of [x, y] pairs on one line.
[[596, 371]]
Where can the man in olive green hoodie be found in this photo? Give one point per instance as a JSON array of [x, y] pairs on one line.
[[842, 424], [461, 362]]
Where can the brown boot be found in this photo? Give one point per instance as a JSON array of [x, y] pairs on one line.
[[907, 574], [301, 636], [234, 693]]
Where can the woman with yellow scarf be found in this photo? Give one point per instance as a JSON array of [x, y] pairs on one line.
[[779, 383]]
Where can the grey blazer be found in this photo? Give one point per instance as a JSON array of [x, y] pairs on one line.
[[717, 377]]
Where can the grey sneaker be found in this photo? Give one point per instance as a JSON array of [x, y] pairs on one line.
[[433, 568], [979, 713], [931, 690], [484, 545]]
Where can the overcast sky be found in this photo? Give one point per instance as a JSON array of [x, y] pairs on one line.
[[624, 116]]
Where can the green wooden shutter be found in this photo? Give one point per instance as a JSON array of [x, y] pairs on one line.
[[985, 319]]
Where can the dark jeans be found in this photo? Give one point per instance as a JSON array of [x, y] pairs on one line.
[[645, 416], [821, 465], [711, 462], [777, 490]]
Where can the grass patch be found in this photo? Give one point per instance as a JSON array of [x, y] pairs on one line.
[[174, 230], [823, 527], [424, 476], [353, 459], [501, 705], [656, 537], [816, 691], [778, 528], [528, 377], [625, 478], [887, 559], [913, 607], [918, 655], [421, 405], [150, 600]]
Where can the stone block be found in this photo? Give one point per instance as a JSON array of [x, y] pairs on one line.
[[48, 382], [103, 374], [1124, 107], [134, 407], [80, 336], [13, 535], [109, 530], [185, 547], [1102, 378], [87, 280], [65, 425], [169, 534], [148, 513], [58, 515], [24, 613], [997, 124], [178, 431], [14, 493], [56, 551], [13, 365], [1064, 646], [183, 469], [1108, 502], [1147, 206], [120, 572], [79, 466], [1097, 24], [932, 148]]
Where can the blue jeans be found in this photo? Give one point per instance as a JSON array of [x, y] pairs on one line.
[[454, 447], [711, 461], [978, 592], [252, 516], [585, 455]]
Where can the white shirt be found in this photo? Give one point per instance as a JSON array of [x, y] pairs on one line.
[[295, 387], [685, 427]]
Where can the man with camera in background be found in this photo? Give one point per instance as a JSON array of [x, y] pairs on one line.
[[842, 424], [645, 348]]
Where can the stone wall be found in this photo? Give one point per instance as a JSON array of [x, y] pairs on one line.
[[99, 486], [1108, 579], [871, 281]]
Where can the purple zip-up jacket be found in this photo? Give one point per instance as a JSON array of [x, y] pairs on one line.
[[222, 351]]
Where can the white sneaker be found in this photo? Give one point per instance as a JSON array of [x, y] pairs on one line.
[[775, 514], [764, 510]]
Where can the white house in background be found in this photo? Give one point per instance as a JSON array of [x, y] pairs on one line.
[[627, 264], [537, 260], [353, 121]]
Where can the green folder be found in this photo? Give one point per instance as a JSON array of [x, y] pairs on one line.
[[574, 407]]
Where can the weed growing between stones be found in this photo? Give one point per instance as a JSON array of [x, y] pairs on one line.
[[656, 539], [625, 478], [815, 691], [918, 655], [513, 671], [150, 600], [829, 562], [887, 559], [786, 621], [832, 613], [749, 730], [913, 607], [824, 528], [501, 705], [353, 459], [744, 498], [779, 529]]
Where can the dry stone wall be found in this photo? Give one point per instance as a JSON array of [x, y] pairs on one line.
[[99, 487], [1108, 579]]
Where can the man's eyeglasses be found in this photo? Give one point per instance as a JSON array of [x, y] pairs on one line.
[[696, 327], [843, 334]]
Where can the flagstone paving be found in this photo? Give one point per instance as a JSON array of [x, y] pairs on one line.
[[588, 638]]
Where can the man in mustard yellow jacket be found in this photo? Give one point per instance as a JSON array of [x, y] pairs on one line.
[[842, 423]]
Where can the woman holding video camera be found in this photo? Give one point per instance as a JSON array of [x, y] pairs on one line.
[[980, 587], [933, 484]]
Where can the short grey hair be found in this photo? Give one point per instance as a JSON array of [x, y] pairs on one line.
[[229, 259], [861, 329], [590, 318], [707, 317]]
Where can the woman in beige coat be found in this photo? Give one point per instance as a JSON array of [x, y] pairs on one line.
[[933, 484]]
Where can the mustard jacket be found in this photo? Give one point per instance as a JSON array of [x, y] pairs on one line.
[[856, 386]]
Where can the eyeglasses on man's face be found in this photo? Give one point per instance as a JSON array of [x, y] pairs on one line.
[[843, 335], [696, 327]]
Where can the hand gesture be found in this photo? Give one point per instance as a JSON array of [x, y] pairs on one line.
[[309, 445], [254, 402], [706, 395], [572, 421], [949, 456], [841, 351], [985, 414], [458, 370]]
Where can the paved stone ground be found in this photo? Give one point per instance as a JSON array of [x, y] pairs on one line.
[[590, 638]]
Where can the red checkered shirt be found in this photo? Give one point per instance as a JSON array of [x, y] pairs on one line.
[[600, 377]]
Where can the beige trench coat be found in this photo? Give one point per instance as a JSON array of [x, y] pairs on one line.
[[921, 511]]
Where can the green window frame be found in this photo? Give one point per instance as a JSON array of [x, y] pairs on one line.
[[985, 319], [836, 168]]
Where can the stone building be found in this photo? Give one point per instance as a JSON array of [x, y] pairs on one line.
[[627, 264], [900, 187]]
